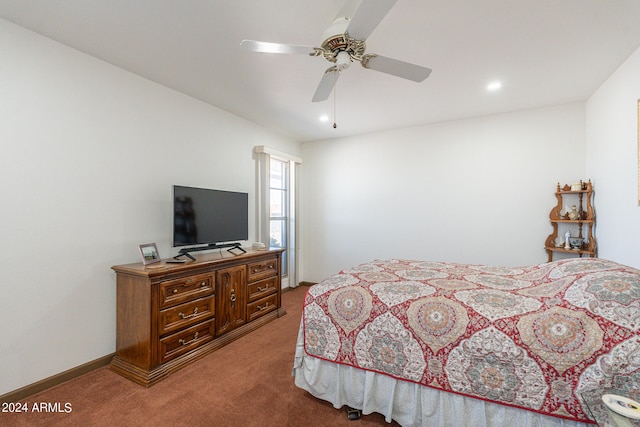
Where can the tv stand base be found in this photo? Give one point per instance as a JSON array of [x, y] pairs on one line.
[[231, 247]]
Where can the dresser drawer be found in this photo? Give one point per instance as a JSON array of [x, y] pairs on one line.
[[186, 314], [263, 269], [181, 342], [262, 288], [262, 307], [185, 289]]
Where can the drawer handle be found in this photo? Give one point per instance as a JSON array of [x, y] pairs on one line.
[[263, 267], [186, 316], [264, 307], [183, 342], [263, 289], [202, 285], [233, 297]]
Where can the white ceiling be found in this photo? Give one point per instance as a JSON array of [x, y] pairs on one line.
[[546, 52]]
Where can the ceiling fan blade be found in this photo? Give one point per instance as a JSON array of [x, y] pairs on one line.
[[367, 17], [268, 47], [348, 9], [326, 85], [396, 67]]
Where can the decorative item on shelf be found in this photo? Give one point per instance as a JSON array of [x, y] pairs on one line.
[[576, 186], [573, 214], [576, 243], [567, 236]]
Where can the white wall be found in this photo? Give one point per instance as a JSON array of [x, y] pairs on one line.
[[89, 154], [470, 191], [612, 160]]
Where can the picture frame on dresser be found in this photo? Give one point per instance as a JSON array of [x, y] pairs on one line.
[[149, 253]]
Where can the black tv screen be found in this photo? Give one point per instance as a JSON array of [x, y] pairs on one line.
[[204, 216]]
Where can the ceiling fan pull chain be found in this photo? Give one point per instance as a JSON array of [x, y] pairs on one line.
[[334, 97]]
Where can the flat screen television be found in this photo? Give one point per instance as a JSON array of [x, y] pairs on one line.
[[209, 217]]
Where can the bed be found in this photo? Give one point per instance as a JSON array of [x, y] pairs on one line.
[[446, 344]]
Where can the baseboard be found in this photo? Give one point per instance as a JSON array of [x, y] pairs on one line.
[[307, 283], [289, 288], [31, 389]]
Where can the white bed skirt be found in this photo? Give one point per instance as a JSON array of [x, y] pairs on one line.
[[407, 403]]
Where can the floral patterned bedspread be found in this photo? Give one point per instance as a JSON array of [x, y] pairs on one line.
[[533, 337]]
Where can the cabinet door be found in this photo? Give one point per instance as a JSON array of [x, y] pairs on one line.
[[231, 300]]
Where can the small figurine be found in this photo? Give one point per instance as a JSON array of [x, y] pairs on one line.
[[567, 236]]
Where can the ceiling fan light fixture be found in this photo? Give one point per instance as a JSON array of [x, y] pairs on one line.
[[343, 60]]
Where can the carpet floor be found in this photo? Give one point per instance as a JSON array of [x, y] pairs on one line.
[[246, 383]]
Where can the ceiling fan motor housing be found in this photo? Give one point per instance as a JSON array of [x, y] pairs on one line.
[[338, 47]]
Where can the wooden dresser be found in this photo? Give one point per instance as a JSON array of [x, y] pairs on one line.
[[169, 315]]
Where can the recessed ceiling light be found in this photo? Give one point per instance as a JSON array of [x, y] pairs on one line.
[[494, 85], [324, 118]]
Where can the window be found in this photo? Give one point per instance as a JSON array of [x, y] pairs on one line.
[[279, 207], [277, 198]]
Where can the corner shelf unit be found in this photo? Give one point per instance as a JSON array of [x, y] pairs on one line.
[[579, 223]]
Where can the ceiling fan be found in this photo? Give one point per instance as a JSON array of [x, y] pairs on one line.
[[345, 42]]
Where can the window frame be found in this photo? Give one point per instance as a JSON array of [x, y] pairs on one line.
[[263, 154]]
